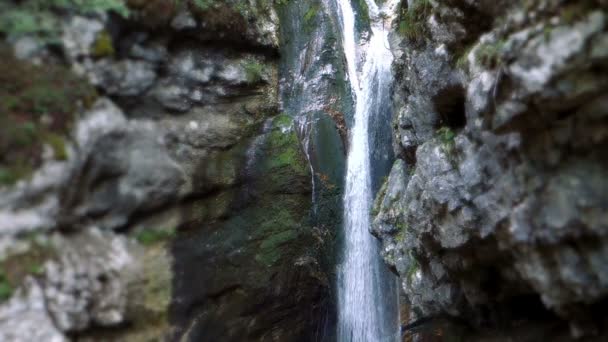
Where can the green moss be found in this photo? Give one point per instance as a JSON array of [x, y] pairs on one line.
[[411, 271], [447, 138], [58, 144], [7, 176], [6, 289], [10, 175], [284, 148], [149, 237], [254, 71], [16, 267], [310, 17], [489, 54], [283, 121], [462, 61], [38, 106], [311, 13], [380, 197], [43, 17], [271, 248], [278, 239], [275, 233], [103, 46], [204, 4], [412, 20], [362, 11]]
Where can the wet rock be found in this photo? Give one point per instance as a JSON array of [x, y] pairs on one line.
[[255, 232], [163, 162]]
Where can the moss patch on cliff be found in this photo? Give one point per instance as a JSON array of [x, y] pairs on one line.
[[16, 267], [276, 233], [489, 54], [412, 20], [285, 165], [149, 237], [37, 107], [43, 17], [103, 46]]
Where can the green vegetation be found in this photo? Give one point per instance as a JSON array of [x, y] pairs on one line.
[[489, 54], [362, 11], [6, 289], [412, 20], [15, 268], [37, 108], [203, 4], [446, 137], [411, 271], [254, 71], [149, 237], [40, 17], [103, 46], [380, 197], [274, 233], [284, 148], [462, 61], [310, 16]]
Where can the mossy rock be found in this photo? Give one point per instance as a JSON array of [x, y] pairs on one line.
[[43, 18], [154, 13], [38, 106], [278, 231], [285, 167], [15, 268], [412, 20], [103, 46]]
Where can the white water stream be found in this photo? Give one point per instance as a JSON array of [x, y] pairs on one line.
[[362, 316]]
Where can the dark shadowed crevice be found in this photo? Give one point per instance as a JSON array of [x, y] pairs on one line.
[[450, 105]]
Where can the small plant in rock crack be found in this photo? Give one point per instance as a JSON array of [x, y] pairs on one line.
[[412, 20], [447, 138], [149, 237], [254, 71], [490, 54]]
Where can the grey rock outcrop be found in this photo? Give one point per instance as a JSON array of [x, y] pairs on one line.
[[167, 172], [501, 191], [24, 317]]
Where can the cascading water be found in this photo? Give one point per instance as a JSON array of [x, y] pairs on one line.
[[362, 314]]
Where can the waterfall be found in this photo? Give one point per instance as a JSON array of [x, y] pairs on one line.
[[362, 314]]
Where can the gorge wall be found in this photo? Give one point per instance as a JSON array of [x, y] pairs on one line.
[[494, 214], [153, 188], [173, 170]]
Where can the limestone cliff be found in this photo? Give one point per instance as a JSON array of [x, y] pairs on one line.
[[151, 189], [494, 215]]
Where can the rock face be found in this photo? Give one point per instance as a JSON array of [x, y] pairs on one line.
[[496, 209], [181, 209]]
